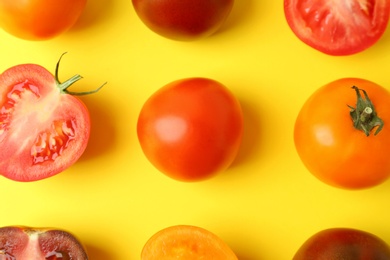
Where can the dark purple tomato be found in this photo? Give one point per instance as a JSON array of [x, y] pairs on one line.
[[343, 244], [183, 20]]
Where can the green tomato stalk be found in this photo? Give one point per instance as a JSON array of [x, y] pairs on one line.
[[364, 116], [65, 85]]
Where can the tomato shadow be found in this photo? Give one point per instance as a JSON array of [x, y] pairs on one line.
[[96, 11], [251, 135], [244, 257], [97, 253], [103, 134], [238, 15], [382, 45]]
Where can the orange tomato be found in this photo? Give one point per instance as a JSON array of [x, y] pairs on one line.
[[39, 19], [334, 148], [185, 242]]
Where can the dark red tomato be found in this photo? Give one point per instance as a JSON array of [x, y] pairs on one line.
[[183, 19], [191, 129], [39, 19], [338, 27], [343, 244], [43, 129], [25, 243]]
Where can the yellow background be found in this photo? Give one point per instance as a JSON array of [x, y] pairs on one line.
[[265, 206]]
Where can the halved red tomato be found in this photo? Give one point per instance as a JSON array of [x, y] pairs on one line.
[[43, 129], [338, 27], [22, 243]]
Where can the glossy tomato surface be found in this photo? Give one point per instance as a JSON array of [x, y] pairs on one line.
[[332, 147], [184, 242], [191, 129], [42, 129], [343, 244], [39, 19], [341, 27], [26, 243], [183, 19]]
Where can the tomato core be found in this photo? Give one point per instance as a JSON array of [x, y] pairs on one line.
[[12, 98]]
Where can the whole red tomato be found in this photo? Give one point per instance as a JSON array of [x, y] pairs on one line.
[[43, 129], [183, 19], [343, 244], [26, 243], [191, 129], [342, 133], [338, 27], [39, 19]]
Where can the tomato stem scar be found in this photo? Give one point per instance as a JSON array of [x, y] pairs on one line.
[[65, 85], [364, 116]]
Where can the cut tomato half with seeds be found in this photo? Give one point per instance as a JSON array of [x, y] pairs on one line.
[[338, 27], [44, 128], [27, 243]]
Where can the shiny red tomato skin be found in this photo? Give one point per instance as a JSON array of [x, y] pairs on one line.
[[331, 148], [338, 27], [343, 244], [39, 19], [183, 20], [34, 114], [191, 129]]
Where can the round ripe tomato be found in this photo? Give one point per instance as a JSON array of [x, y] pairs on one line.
[[343, 244], [39, 19], [43, 129], [183, 20], [191, 129], [341, 27], [185, 242], [337, 148]]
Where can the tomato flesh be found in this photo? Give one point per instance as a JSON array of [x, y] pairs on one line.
[[339, 27], [184, 242], [42, 131], [25, 243]]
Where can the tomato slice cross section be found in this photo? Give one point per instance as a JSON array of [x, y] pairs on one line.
[[28, 243], [338, 27], [186, 242], [43, 129]]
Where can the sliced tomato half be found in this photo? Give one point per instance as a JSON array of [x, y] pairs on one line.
[[338, 27], [43, 129]]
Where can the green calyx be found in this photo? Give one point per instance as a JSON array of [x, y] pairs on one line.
[[364, 116], [63, 86]]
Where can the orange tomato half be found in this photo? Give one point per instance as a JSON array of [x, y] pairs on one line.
[[185, 242], [334, 148]]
